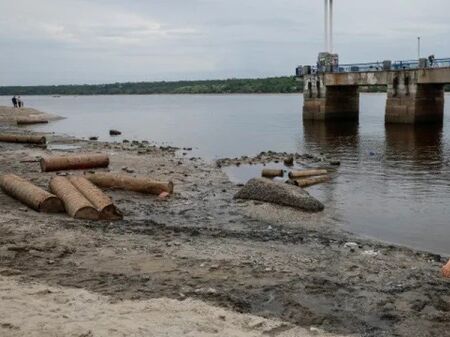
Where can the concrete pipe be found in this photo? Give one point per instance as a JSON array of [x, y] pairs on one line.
[[76, 205], [96, 197], [271, 173], [311, 181], [74, 162], [306, 173], [31, 120], [31, 195], [18, 138], [125, 182]]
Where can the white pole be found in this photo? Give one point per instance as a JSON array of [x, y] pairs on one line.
[[331, 27], [326, 26], [418, 47]]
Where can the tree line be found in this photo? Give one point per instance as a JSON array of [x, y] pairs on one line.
[[284, 84]]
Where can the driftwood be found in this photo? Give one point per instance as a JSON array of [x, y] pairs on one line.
[[31, 120], [74, 162], [279, 193], [76, 205], [29, 194], [18, 138], [97, 198], [306, 173], [125, 182], [311, 181], [271, 173]]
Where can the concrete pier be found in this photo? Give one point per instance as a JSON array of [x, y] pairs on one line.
[[413, 96]]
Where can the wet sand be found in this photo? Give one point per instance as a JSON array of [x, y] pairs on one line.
[[200, 244], [10, 115]]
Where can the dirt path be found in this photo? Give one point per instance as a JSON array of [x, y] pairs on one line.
[[247, 257]]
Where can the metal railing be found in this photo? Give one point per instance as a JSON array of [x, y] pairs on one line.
[[380, 66]]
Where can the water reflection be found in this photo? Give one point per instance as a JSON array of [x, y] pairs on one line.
[[331, 137], [414, 147]]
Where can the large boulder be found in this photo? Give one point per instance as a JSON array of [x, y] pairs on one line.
[[280, 193]]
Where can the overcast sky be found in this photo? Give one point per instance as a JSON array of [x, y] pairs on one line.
[[100, 41]]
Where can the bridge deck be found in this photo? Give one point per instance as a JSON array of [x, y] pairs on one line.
[[368, 78]]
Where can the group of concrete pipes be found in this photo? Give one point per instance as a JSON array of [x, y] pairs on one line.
[[79, 196], [300, 178]]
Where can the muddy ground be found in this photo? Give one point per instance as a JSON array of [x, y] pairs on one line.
[[201, 244]]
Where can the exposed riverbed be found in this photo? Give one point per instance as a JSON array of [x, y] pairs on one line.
[[393, 183]]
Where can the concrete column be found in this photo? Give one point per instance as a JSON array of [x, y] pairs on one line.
[[409, 102], [329, 103]]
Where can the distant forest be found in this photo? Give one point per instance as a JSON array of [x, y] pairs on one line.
[[231, 86], [275, 85]]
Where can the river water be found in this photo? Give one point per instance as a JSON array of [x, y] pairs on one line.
[[393, 184]]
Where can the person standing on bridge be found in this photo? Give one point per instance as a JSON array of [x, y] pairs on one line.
[[431, 60]]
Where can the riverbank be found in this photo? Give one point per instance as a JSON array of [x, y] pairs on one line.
[[247, 257], [10, 114]]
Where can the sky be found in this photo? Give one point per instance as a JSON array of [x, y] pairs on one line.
[[46, 42]]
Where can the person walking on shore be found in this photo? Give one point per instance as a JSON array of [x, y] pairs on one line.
[[14, 101], [19, 102]]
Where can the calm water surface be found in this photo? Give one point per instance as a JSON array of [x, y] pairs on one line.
[[393, 184]]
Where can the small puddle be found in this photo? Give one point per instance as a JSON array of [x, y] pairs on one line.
[[243, 173]]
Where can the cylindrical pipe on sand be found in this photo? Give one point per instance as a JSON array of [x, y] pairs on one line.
[[76, 205], [18, 138], [271, 173], [306, 173], [306, 182], [96, 197], [125, 182], [74, 162], [31, 120], [30, 194]]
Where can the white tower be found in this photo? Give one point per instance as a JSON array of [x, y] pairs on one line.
[[328, 26]]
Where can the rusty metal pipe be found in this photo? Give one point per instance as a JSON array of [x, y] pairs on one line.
[[306, 182], [31, 120], [76, 205], [306, 173], [96, 197], [29, 194], [271, 173], [125, 182], [74, 162], [18, 138]]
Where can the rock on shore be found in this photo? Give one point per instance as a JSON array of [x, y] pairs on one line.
[[279, 193]]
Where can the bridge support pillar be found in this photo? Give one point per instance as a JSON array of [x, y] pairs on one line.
[[329, 103], [412, 103]]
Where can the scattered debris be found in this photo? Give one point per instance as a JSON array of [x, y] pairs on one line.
[[97, 198], [76, 205], [74, 162], [113, 132], [289, 161], [19, 138], [29, 194], [271, 173], [306, 182], [446, 270], [31, 120], [306, 173], [125, 182]]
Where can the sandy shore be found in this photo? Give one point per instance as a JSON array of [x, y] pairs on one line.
[[10, 115], [201, 263]]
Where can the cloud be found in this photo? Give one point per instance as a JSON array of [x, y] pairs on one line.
[[81, 41]]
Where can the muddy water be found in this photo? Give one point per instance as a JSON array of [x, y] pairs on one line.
[[393, 184]]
